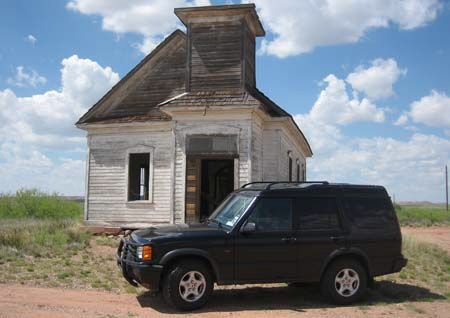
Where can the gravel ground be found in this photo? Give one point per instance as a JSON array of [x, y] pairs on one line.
[[244, 301]]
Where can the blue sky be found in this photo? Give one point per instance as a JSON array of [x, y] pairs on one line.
[[347, 87]]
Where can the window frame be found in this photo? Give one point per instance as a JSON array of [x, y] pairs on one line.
[[290, 165], [339, 215], [142, 149], [255, 204]]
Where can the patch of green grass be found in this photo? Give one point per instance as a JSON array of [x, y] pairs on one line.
[[108, 241], [422, 215], [40, 238], [426, 276], [32, 203]]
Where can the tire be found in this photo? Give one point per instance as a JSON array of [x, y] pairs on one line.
[[187, 285], [344, 282]]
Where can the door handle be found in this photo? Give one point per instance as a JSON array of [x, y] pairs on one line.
[[289, 239], [338, 239]]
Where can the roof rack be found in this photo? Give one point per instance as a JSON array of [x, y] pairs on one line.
[[269, 184]]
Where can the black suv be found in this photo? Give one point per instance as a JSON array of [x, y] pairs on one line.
[[337, 234]]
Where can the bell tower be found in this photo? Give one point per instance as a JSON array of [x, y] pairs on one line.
[[220, 46]]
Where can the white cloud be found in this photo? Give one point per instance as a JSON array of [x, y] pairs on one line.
[[412, 168], [402, 120], [432, 110], [34, 127], [154, 19], [335, 106], [301, 26], [31, 39], [377, 80], [22, 78]]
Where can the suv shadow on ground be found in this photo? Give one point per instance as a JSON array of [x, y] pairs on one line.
[[281, 296]]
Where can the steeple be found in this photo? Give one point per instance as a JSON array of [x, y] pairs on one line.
[[220, 46]]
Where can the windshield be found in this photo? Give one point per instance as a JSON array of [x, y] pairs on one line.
[[231, 210]]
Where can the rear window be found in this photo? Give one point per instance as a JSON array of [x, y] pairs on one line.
[[370, 212], [317, 213]]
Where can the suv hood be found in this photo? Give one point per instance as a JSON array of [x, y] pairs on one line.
[[177, 230]]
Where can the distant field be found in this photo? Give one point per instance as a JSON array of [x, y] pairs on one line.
[[35, 204], [410, 215]]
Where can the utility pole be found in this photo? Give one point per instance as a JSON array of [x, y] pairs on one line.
[[446, 187]]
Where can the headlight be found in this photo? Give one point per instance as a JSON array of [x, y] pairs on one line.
[[144, 253]]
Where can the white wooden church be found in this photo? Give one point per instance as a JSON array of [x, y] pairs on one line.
[[187, 125]]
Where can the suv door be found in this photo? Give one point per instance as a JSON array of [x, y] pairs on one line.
[[268, 253], [319, 232]]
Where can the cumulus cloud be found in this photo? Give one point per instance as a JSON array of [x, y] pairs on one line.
[[301, 26], [376, 81], [31, 39], [153, 19], [402, 120], [22, 78], [34, 127], [411, 169], [335, 106], [431, 110]]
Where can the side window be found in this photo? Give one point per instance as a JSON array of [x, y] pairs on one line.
[[272, 214], [317, 213], [370, 212], [138, 176], [290, 168]]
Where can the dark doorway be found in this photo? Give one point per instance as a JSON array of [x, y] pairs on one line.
[[217, 181]]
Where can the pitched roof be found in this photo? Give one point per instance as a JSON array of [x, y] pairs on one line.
[[158, 76], [243, 97], [247, 97]]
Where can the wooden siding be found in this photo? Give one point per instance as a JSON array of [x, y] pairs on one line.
[[108, 178], [262, 156], [221, 56], [257, 149], [162, 82], [271, 153], [157, 77], [184, 128], [215, 56], [249, 56], [276, 145]]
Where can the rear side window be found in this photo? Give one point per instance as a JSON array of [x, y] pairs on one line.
[[370, 212], [317, 213], [272, 214]]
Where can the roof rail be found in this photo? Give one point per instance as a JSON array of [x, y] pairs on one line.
[[271, 183]]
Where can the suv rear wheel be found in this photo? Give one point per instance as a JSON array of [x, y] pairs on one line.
[[344, 281], [187, 285]]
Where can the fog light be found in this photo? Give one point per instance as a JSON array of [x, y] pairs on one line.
[[144, 253]]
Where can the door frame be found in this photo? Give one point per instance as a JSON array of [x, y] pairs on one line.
[[198, 158]]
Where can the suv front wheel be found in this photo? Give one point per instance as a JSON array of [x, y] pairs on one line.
[[344, 281], [187, 285]]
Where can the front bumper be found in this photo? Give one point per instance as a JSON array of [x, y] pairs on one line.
[[147, 275], [399, 263]]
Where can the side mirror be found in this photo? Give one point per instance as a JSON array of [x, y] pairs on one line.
[[248, 228]]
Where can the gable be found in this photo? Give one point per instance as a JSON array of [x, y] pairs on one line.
[[158, 77]]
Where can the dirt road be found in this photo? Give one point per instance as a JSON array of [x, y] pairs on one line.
[[439, 235], [22, 301], [391, 299]]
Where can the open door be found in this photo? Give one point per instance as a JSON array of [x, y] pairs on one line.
[[208, 182]]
